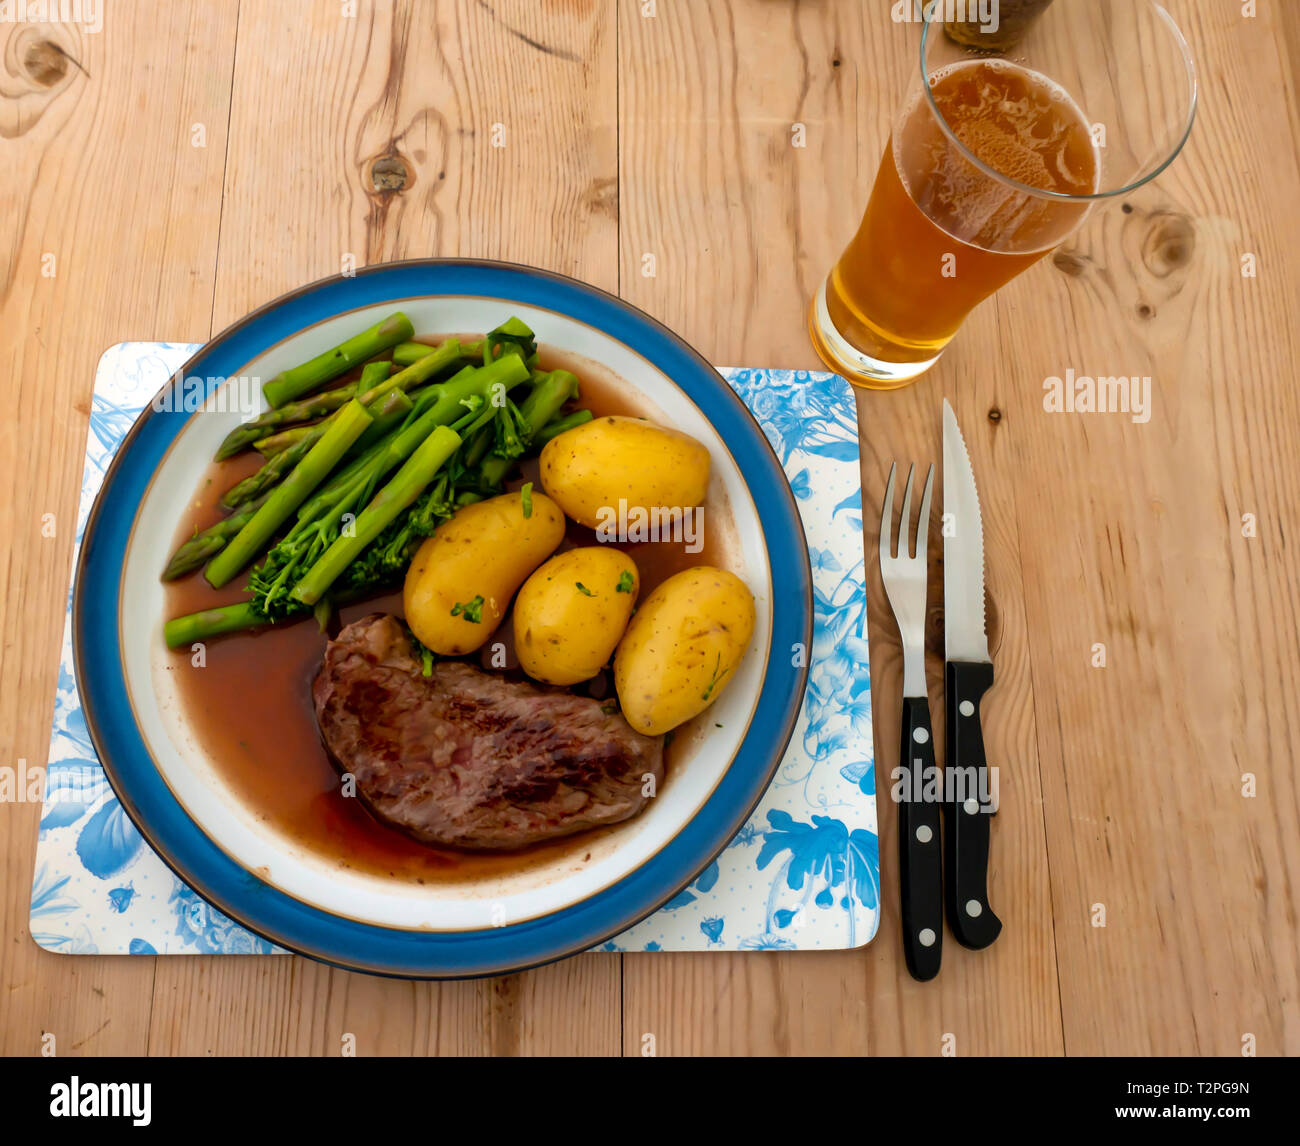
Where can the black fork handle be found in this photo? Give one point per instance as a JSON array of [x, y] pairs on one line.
[[920, 853]]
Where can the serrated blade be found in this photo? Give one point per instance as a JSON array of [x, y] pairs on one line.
[[963, 551]]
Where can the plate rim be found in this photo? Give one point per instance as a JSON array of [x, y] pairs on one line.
[[799, 564]]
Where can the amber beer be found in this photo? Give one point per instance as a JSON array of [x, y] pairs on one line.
[[939, 234]]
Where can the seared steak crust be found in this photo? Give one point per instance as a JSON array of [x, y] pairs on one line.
[[468, 759]]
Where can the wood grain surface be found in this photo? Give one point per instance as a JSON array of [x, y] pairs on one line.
[[708, 159]]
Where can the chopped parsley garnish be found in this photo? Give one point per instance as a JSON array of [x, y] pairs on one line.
[[583, 589], [708, 692], [526, 495], [472, 612], [625, 582]]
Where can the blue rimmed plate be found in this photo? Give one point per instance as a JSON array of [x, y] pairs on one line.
[[222, 847]]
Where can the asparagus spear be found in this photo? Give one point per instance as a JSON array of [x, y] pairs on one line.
[[278, 443], [408, 353], [304, 410], [392, 409], [182, 631], [256, 485], [194, 552], [284, 461], [558, 426], [320, 519], [406, 485], [390, 413], [315, 467], [309, 539], [440, 406], [290, 384], [211, 541]]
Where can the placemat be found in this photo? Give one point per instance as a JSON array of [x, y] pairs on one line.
[[804, 872]]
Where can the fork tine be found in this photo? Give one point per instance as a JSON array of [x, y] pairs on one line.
[[905, 523], [923, 522], [887, 518]]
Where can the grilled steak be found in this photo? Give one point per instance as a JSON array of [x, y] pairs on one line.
[[468, 759]]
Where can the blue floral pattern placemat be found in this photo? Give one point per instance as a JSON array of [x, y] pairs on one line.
[[804, 873]]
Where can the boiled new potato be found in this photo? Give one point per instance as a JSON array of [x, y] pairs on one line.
[[462, 578], [572, 612], [591, 468], [682, 648]]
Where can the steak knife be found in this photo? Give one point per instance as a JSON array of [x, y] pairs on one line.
[[968, 673]]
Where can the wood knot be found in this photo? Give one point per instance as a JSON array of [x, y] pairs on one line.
[[45, 62], [601, 197], [1146, 310], [1069, 263], [995, 415], [1169, 244], [390, 174]]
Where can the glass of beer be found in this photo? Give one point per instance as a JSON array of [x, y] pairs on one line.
[[996, 157]]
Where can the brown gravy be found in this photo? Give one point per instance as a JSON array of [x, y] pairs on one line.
[[250, 704]]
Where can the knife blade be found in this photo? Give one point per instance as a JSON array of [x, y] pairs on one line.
[[968, 674]]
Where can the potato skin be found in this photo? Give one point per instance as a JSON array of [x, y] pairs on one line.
[[592, 467], [564, 635], [682, 648], [486, 549]]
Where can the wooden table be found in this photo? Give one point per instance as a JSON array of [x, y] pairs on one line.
[[195, 159]]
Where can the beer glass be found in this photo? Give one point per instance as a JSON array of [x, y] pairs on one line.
[[995, 158]]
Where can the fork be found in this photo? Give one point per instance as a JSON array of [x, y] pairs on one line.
[[920, 858]]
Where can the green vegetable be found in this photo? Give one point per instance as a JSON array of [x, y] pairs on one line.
[[560, 426], [408, 353], [290, 384], [583, 589], [543, 403], [263, 427], [187, 630], [512, 337], [391, 413], [194, 552], [713, 683], [392, 408], [472, 612], [315, 467], [526, 499], [282, 463], [406, 485], [625, 582], [268, 447], [329, 555], [322, 519]]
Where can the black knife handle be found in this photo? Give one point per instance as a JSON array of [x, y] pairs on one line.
[[920, 853], [966, 810]]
